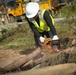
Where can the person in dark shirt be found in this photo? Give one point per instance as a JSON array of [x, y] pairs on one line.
[[41, 23]]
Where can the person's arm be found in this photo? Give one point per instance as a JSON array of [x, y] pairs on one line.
[[49, 22], [32, 26]]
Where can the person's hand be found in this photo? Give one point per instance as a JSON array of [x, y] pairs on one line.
[[41, 39], [55, 37]]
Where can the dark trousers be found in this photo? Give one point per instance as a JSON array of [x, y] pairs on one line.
[[47, 34]]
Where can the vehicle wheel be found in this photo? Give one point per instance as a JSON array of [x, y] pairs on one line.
[[11, 19]]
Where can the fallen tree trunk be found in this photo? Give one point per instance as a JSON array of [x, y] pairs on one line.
[[22, 59], [64, 56], [68, 37], [62, 69], [64, 41], [32, 63], [38, 57]]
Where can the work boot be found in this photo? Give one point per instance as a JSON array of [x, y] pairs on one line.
[[55, 48]]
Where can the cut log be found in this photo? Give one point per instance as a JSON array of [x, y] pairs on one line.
[[14, 64], [24, 61], [63, 56], [62, 69], [35, 62], [68, 37]]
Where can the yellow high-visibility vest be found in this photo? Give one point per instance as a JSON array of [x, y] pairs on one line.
[[43, 26]]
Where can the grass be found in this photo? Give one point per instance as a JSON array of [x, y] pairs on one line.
[[22, 37], [64, 29], [67, 11], [18, 38]]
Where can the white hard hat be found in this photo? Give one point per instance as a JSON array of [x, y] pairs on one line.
[[32, 9]]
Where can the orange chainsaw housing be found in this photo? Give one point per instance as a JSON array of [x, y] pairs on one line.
[[47, 44]]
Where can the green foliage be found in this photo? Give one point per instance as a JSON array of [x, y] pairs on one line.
[[4, 31], [68, 11]]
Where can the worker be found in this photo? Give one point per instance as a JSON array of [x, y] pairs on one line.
[[4, 10], [41, 23]]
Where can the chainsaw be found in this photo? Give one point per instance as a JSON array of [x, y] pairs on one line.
[[50, 45]]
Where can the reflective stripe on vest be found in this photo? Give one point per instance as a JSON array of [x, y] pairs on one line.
[[43, 26]]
